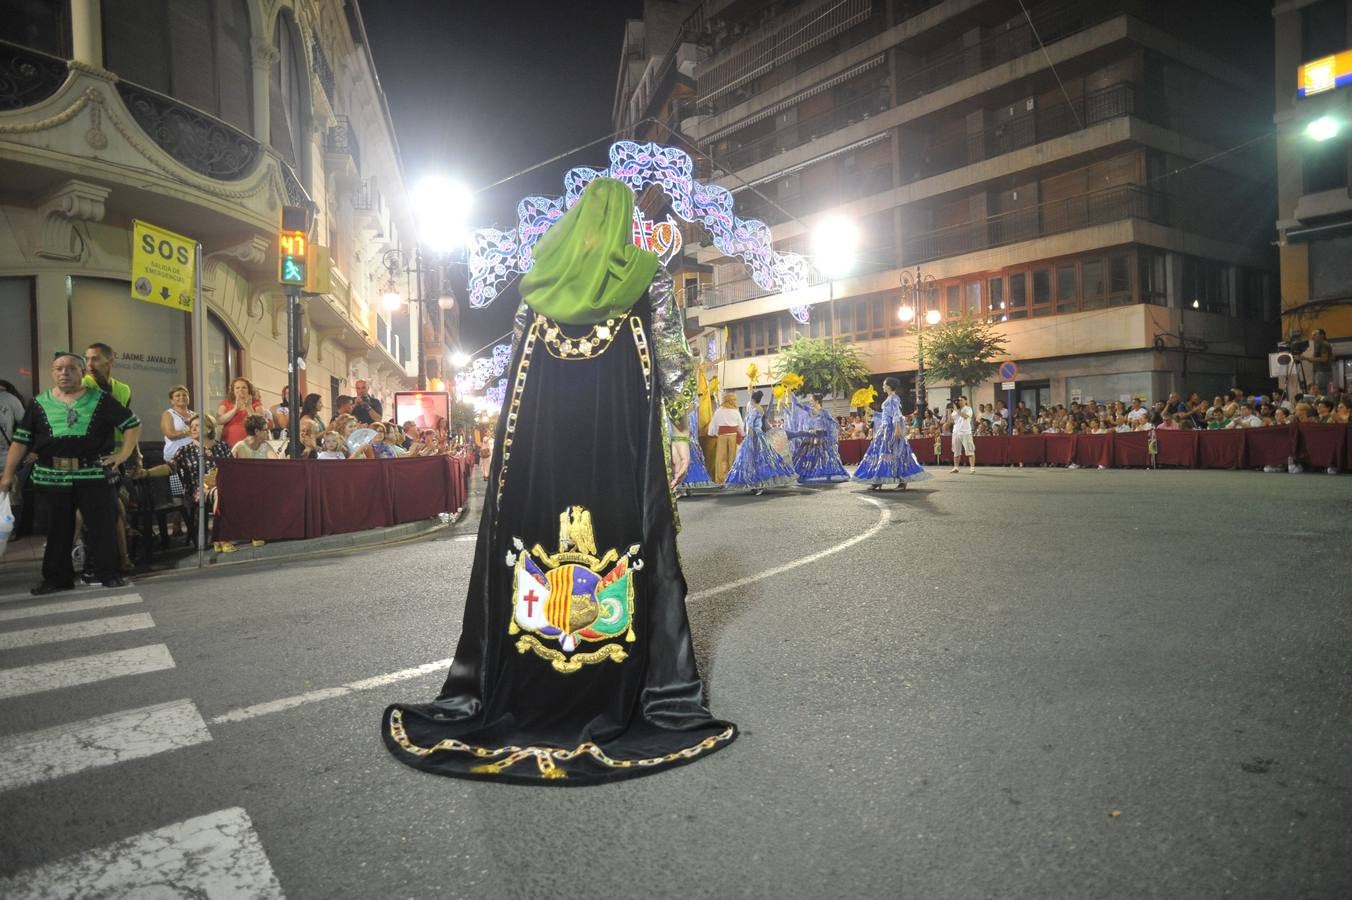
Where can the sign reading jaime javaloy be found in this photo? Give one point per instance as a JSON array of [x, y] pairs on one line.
[[162, 266]]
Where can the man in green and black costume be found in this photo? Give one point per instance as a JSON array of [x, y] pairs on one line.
[[71, 428]]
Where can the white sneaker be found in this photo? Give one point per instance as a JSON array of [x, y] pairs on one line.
[[955, 470], [972, 470], [1331, 470], [1073, 466]]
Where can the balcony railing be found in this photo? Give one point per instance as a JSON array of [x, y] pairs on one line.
[[1015, 134], [1084, 211], [1054, 22], [852, 186], [323, 71], [874, 100], [27, 76], [342, 139], [199, 141], [764, 48]]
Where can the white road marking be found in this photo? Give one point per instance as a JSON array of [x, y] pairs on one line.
[[52, 634], [64, 673], [217, 855], [272, 706], [52, 609], [465, 537], [878, 526], [36, 756]]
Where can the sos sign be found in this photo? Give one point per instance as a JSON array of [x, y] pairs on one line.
[[163, 267]]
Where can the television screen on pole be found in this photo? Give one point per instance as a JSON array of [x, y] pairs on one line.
[[425, 409]]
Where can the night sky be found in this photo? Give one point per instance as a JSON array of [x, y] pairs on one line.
[[481, 89]]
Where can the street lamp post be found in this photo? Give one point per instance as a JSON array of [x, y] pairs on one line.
[[913, 287]]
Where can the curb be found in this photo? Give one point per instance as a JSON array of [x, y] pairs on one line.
[[301, 548]]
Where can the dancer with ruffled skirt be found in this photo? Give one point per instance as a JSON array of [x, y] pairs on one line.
[[757, 465], [889, 456], [816, 443]]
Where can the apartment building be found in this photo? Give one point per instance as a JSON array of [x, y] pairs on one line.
[[1097, 178], [204, 118], [1314, 204]]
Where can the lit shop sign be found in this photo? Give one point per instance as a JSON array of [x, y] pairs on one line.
[[1325, 74]]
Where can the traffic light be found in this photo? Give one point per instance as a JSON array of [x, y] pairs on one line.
[[292, 246]]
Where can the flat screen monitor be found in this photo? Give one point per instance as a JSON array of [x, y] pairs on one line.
[[425, 409]]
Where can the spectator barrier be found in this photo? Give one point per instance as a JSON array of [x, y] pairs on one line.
[[277, 500], [852, 450], [1316, 446]]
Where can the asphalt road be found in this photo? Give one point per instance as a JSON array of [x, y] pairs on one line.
[[1019, 683]]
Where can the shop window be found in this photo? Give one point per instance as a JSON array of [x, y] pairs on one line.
[[42, 25], [1018, 295], [1042, 292], [1094, 293], [17, 338], [1067, 300], [196, 51], [1119, 280], [151, 343]]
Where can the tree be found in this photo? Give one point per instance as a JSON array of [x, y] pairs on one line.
[[826, 368], [965, 352]]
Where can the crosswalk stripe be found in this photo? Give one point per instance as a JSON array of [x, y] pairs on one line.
[[36, 756], [79, 591], [49, 676], [215, 855], [52, 609], [51, 634]]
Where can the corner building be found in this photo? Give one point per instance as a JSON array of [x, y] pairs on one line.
[[1096, 177], [204, 117]]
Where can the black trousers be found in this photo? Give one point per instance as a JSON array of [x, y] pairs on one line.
[[98, 504]]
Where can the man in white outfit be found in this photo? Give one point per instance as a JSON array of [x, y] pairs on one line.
[[962, 435]]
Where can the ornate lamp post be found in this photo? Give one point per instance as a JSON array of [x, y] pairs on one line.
[[913, 289]]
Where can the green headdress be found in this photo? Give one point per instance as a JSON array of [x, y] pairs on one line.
[[587, 268]]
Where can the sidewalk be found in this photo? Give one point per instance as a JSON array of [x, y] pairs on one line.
[[22, 564]]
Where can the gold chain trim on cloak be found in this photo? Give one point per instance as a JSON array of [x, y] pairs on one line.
[[518, 387], [569, 664], [545, 756], [641, 342], [589, 346]]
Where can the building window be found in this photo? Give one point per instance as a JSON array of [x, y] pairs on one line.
[[223, 362], [1066, 299], [1095, 297], [1150, 277], [995, 295], [1018, 295], [953, 293], [1331, 268], [1324, 165], [1042, 292], [1119, 280], [1206, 285], [1323, 29], [196, 51], [288, 95], [37, 24], [972, 295]]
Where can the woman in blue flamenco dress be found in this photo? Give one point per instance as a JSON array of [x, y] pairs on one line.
[[697, 477], [816, 443], [757, 466], [889, 456]]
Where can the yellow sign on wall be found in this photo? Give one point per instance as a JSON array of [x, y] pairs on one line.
[[163, 267], [1325, 74]]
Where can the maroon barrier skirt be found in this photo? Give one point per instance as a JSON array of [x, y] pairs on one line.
[[284, 499], [852, 450], [1220, 448], [1094, 450], [1323, 446]]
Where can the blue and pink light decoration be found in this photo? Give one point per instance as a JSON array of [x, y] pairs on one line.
[[495, 256]]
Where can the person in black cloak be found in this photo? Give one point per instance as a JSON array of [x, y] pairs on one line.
[[575, 664]]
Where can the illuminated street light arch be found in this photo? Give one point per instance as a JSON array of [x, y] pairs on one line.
[[495, 256]]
